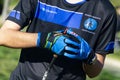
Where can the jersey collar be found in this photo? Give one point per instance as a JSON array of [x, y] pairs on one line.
[[75, 1]]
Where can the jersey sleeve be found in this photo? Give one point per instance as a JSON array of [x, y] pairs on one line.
[[106, 40], [22, 13]]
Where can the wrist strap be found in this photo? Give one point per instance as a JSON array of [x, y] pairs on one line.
[[91, 58], [41, 39], [38, 39]]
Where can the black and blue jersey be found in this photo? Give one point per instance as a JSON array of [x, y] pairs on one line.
[[94, 20]]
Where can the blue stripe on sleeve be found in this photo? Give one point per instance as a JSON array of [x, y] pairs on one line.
[[15, 14], [12, 13], [18, 15], [110, 46]]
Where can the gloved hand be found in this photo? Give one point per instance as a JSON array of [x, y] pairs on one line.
[[83, 51], [55, 41]]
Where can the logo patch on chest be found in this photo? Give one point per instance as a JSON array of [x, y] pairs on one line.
[[90, 24]]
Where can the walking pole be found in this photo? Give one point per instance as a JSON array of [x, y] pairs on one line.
[[51, 63], [49, 67]]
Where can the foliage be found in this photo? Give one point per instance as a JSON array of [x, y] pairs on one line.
[[115, 2], [13, 3], [118, 34], [1, 1], [116, 54]]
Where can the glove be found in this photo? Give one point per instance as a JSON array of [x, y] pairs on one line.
[[83, 50], [55, 41]]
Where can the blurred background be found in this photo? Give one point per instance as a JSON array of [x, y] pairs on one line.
[[9, 57]]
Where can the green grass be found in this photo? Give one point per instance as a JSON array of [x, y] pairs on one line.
[[118, 34], [116, 55], [115, 2], [13, 3], [106, 75], [8, 61]]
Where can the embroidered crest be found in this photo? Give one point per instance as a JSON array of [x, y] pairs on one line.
[[90, 24]]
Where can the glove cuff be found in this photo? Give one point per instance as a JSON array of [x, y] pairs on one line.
[[38, 39], [41, 39], [91, 58]]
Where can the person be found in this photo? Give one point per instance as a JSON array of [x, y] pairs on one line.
[[80, 32]]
